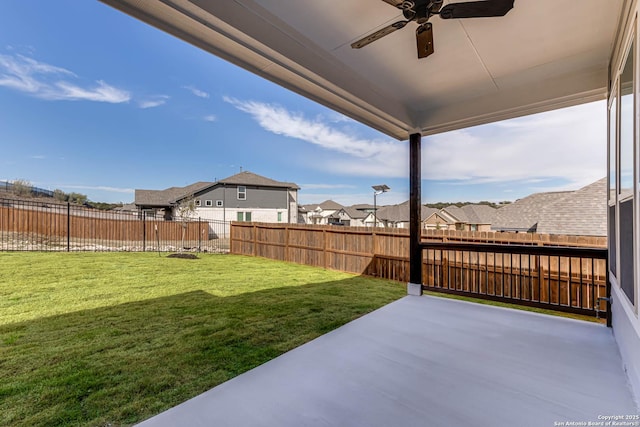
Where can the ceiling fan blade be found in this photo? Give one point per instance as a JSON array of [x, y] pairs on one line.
[[379, 34], [476, 9], [424, 40]]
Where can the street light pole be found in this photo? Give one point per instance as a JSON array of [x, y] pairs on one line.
[[377, 189]]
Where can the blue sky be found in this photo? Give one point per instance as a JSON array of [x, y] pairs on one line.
[[96, 102]]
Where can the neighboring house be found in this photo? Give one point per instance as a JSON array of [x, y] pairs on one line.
[[522, 216], [355, 215], [320, 214], [581, 212], [465, 218], [245, 196], [438, 221], [396, 216]]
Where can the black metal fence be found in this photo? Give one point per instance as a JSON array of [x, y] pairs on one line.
[[570, 279], [42, 226]]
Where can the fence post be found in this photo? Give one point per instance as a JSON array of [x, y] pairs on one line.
[[144, 231], [324, 247], [255, 240], [286, 242], [68, 226], [199, 235]]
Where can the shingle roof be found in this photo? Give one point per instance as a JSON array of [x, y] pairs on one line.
[[165, 198], [362, 206], [582, 213], [524, 214], [250, 178], [355, 213], [400, 212], [472, 214], [456, 213], [327, 205]]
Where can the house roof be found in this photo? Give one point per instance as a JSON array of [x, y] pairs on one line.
[[355, 213], [400, 212], [471, 214], [250, 178], [542, 55], [524, 214], [327, 205], [581, 213], [362, 206], [170, 196]]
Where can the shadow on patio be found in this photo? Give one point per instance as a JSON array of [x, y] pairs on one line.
[[428, 361]]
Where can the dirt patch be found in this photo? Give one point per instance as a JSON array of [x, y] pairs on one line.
[[183, 256]]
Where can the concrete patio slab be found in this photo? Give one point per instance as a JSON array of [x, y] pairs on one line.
[[426, 361]]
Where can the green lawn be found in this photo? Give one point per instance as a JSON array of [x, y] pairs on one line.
[[114, 338]]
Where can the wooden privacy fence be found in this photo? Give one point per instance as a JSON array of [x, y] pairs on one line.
[[572, 278], [61, 224]]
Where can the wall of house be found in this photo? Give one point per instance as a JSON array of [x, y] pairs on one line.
[[256, 197], [231, 214], [436, 222], [623, 193], [293, 206]]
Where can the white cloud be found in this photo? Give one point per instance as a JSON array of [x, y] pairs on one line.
[[153, 101], [53, 83], [100, 93], [567, 144], [197, 92], [210, 118], [38, 157], [368, 157]]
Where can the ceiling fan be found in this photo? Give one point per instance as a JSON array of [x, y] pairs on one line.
[[421, 10]]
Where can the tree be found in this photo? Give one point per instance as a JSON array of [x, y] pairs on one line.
[[22, 187], [59, 195], [77, 198], [185, 210]]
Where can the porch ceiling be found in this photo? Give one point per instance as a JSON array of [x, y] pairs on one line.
[[542, 55]]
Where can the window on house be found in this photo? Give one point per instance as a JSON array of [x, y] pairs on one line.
[[219, 203], [613, 179], [613, 126], [627, 137], [279, 216], [208, 203], [242, 192], [626, 162], [198, 202], [244, 216]]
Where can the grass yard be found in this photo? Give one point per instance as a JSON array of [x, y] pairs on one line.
[[110, 339]]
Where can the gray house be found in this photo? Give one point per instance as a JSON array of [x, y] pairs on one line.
[[245, 196]]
